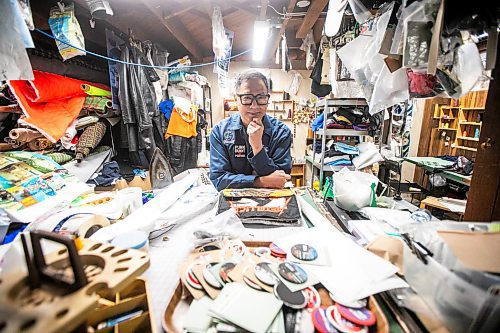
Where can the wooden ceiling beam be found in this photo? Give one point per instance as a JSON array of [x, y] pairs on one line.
[[277, 37], [311, 17], [179, 12], [178, 30], [250, 10]]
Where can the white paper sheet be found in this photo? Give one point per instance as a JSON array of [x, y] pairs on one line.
[[354, 272], [455, 205]]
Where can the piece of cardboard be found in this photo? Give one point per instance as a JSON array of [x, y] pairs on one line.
[[390, 249], [197, 294], [211, 291], [476, 250]]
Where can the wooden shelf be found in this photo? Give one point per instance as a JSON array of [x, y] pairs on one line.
[[468, 138], [446, 129], [466, 148], [470, 123], [450, 107], [479, 108]]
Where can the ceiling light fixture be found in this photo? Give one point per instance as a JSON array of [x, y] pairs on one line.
[[260, 37], [303, 3]]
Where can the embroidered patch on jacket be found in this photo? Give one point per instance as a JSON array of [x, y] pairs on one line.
[[228, 137], [240, 151]]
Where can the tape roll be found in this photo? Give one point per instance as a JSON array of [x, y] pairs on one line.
[[82, 224]]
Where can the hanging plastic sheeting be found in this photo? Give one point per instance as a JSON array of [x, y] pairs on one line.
[[15, 36], [466, 72], [334, 16], [295, 84], [64, 26], [219, 41], [360, 12], [309, 47], [367, 67]]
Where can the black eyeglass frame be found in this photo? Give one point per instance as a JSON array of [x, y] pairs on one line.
[[254, 98]]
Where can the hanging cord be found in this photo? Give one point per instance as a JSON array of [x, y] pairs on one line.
[[131, 63]]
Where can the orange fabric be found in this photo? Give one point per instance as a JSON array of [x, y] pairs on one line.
[[177, 125], [50, 102]]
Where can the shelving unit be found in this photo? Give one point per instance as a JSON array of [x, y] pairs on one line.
[[328, 105], [298, 174], [461, 121]]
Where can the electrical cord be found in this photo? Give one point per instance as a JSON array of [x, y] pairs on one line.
[[131, 63]]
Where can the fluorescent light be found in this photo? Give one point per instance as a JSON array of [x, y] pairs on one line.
[[260, 34]]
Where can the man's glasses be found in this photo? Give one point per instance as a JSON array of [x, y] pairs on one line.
[[247, 99]]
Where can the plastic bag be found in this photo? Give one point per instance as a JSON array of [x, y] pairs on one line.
[[423, 85], [361, 13], [361, 57], [295, 84], [310, 48], [417, 31], [468, 69], [14, 60], [65, 26], [219, 39], [354, 190], [390, 89]]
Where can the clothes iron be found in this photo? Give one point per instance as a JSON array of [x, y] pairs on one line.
[[160, 171]]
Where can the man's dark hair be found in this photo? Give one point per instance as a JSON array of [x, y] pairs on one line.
[[248, 75]]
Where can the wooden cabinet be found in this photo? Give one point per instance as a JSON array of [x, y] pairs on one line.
[[298, 174]]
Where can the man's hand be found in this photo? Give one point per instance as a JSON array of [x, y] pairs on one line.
[[275, 180], [255, 130]]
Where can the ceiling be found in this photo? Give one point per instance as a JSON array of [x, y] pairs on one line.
[[184, 27]]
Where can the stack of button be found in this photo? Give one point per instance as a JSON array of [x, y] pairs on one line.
[[346, 320], [277, 251]]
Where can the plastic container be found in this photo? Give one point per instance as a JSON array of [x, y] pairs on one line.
[[137, 240]]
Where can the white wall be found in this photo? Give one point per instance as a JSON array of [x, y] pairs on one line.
[[281, 81]]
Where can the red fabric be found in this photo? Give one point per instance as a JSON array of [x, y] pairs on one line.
[[50, 102]]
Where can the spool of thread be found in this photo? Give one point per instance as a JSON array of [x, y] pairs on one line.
[[137, 240]]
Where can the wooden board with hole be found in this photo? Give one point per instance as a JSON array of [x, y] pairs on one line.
[[109, 269]]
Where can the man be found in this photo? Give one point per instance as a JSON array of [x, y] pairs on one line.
[[250, 149]]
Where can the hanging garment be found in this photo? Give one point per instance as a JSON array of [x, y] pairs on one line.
[[182, 153], [182, 124], [50, 102], [144, 125], [89, 139]]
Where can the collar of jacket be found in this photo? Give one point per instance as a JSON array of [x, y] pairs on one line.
[[236, 124]]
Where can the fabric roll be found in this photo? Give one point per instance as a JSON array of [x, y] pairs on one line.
[[14, 143], [67, 138], [40, 144], [101, 106], [5, 146], [85, 121], [50, 102], [24, 134], [95, 91], [89, 139], [60, 158]]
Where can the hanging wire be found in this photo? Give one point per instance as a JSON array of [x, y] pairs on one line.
[[131, 63], [290, 14]]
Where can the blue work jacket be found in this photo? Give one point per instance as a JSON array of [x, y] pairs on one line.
[[232, 162]]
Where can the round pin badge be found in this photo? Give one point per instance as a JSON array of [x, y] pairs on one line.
[[192, 280], [294, 300], [350, 326], [262, 251], [225, 268], [363, 316], [264, 273], [313, 298], [210, 279], [342, 324], [304, 252], [362, 303], [252, 284], [292, 272], [321, 322], [277, 251]]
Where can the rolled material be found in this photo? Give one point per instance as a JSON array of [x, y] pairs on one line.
[[94, 91], [67, 138], [100, 106], [60, 158], [24, 134], [40, 144], [5, 146], [14, 143], [89, 139]]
